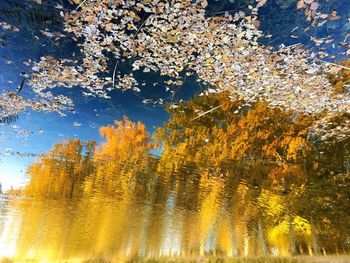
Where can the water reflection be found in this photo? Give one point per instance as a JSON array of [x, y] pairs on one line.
[[212, 191], [212, 216]]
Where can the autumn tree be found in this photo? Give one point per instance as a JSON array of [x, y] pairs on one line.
[[118, 160], [61, 171], [66, 171], [232, 131]]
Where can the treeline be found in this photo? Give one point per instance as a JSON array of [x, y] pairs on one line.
[[74, 168], [251, 177]]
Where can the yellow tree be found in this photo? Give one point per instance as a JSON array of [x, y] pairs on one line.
[[118, 160], [234, 131], [60, 172]]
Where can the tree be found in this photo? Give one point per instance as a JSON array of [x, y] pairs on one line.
[[118, 160], [61, 172], [234, 131]]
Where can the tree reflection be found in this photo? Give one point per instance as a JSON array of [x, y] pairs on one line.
[[244, 180]]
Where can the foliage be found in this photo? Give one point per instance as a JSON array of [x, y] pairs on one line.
[[14, 192], [241, 180], [120, 158], [340, 79], [66, 172], [170, 38], [173, 38], [61, 172], [234, 131]]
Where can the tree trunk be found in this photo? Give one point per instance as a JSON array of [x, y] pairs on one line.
[[72, 189], [291, 233], [316, 248], [262, 239]]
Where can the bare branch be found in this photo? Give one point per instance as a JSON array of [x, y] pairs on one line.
[[80, 5], [204, 113]]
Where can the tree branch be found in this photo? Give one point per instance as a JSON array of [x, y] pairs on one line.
[[80, 5], [204, 113], [334, 64]]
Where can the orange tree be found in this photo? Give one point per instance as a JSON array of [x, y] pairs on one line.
[[234, 131], [61, 171], [118, 160]]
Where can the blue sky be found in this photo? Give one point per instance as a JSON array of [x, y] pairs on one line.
[[13, 171]]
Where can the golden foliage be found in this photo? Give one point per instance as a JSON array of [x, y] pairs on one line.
[[126, 141], [201, 184], [58, 173], [65, 171], [121, 158], [233, 132], [340, 79]]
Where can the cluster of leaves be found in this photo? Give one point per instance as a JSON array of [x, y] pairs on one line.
[[233, 132], [311, 13], [6, 26], [12, 103], [171, 38], [177, 37], [16, 20]]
